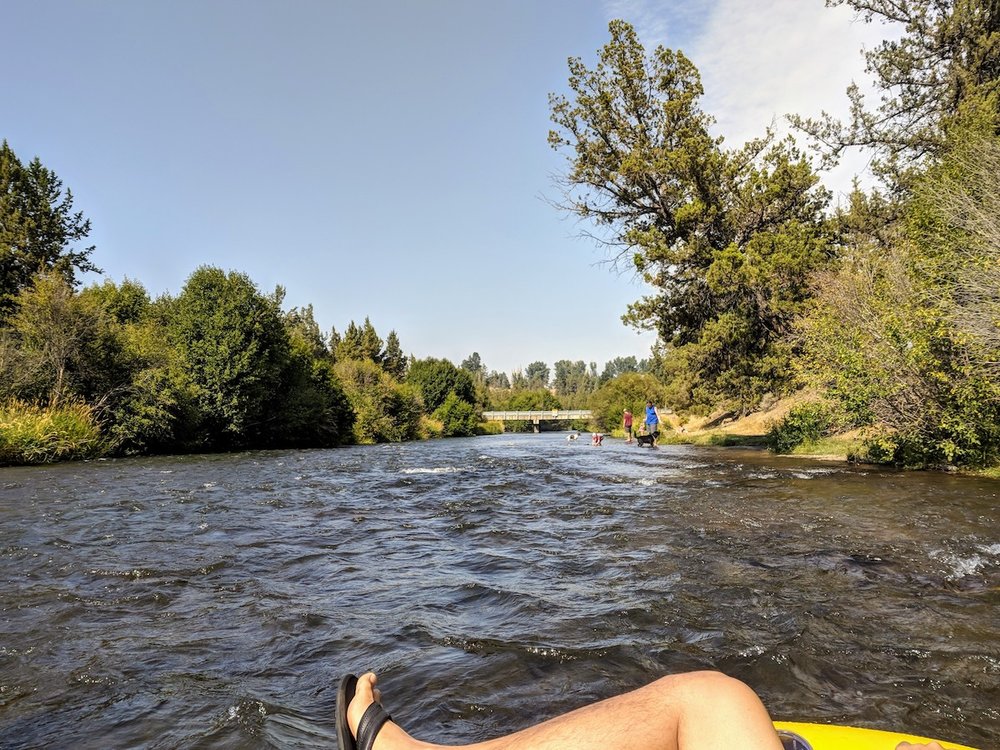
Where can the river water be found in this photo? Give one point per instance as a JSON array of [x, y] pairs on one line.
[[214, 601]]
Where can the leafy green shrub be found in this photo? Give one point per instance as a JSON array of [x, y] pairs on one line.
[[878, 450], [31, 434], [430, 428], [234, 345], [539, 399], [458, 417], [490, 428], [628, 391], [436, 379], [385, 410], [518, 425], [805, 423], [312, 409]]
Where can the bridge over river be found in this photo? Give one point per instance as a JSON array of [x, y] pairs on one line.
[[537, 417]]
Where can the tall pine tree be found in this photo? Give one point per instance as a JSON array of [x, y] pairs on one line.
[[39, 230]]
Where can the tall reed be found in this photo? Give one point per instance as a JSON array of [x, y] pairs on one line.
[[34, 434]]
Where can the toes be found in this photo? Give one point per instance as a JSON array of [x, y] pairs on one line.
[[364, 695]]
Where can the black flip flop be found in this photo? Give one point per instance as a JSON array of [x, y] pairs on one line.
[[345, 740], [371, 722]]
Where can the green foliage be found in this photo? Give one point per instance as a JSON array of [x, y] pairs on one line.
[[371, 344], [218, 367], [304, 333], [804, 424], [726, 239], [362, 342], [539, 399], [629, 391], [124, 303], [498, 380], [457, 417], [881, 449], [146, 396], [436, 378], [638, 138], [233, 343], [620, 365], [107, 365], [683, 391], [430, 428], [350, 345], [955, 220], [54, 338], [312, 409], [38, 228], [474, 364], [32, 434], [490, 428], [482, 392], [385, 410], [574, 377], [100, 346], [145, 417], [903, 334], [536, 375], [393, 359], [941, 70]]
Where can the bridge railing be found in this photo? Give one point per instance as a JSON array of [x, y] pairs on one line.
[[537, 415]]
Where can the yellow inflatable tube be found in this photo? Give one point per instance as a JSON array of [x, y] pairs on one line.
[[834, 737]]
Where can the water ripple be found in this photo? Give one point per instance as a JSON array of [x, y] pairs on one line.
[[213, 601]]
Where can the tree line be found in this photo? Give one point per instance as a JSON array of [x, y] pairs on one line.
[[886, 309], [106, 369]]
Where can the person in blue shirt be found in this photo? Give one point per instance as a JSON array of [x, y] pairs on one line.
[[652, 420]]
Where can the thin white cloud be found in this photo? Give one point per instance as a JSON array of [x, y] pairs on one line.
[[764, 59], [767, 58], [761, 60]]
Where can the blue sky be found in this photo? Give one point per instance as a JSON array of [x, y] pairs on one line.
[[379, 158]]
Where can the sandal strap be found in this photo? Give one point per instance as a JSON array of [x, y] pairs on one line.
[[371, 722]]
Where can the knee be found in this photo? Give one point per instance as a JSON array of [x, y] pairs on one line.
[[708, 685], [708, 679]]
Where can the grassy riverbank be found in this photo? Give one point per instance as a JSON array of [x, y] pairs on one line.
[[31, 434], [835, 448], [724, 429]]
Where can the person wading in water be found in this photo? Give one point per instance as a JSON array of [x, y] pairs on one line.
[[652, 420]]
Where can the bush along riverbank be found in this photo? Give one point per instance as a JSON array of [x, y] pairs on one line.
[[805, 425], [797, 425], [31, 434]]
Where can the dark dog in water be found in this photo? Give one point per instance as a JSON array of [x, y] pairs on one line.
[[647, 439]]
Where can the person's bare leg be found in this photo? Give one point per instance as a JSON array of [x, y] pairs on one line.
[[694, 711]]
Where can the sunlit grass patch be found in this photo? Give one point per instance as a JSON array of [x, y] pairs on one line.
[[33, 434], [713, 438]]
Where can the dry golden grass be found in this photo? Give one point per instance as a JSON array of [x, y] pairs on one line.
[[756, 423], [725, 429]]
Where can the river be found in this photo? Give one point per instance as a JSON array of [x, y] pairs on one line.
[[213, 601]]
